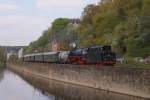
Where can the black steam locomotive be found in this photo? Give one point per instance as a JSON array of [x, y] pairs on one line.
[[94, 55]]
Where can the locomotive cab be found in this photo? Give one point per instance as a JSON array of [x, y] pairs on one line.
[[101, 55], [103, 49], [94, 55]]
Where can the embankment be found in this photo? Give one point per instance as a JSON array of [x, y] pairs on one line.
[[131, 81]]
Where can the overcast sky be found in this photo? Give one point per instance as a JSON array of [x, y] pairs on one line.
[[22, 21]]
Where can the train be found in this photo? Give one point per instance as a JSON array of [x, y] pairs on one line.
[[94, 55]]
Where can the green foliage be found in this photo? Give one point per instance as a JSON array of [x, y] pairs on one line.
[[124, 24], [2, 58], [135, 48], [126, 7], [59, 24], [13, 58], [104, 23], [146, 8]]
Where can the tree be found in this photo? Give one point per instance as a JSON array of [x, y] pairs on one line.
[[125, 7], [59, 24], [104, 23], [146, 8], [2, 57]]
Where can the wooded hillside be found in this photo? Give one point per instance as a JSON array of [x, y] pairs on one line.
[[123, 24]]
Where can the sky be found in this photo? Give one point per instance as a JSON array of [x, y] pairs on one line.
[[23, 21]]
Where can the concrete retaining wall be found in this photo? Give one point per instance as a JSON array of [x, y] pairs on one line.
[[129, 81]]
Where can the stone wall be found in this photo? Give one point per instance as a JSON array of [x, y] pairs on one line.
[[131, 81]]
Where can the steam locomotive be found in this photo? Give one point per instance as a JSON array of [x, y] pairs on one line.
[[94, 55]]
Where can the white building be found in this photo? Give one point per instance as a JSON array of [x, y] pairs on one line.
[[20, 53]]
